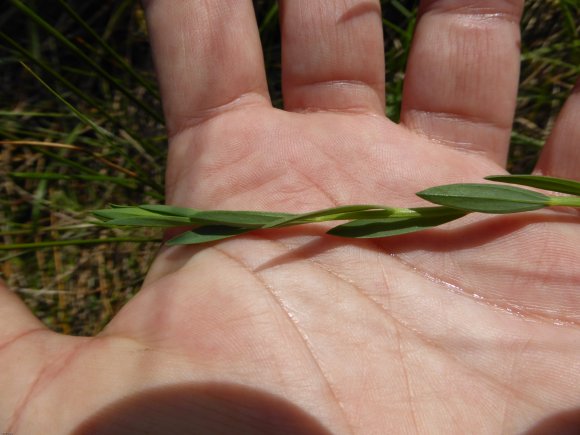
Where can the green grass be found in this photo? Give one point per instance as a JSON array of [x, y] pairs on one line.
[[81, 78]]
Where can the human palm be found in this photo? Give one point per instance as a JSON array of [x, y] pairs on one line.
[[470, 328]]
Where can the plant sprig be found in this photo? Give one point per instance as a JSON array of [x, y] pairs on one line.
[[453, 201]]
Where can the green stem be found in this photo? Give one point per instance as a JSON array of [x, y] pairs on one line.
[[564, 201], [391, 213]]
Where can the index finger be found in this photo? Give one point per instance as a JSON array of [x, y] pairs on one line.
[[208, 57]]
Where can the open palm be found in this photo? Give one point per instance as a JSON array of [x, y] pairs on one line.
[[470, 328]]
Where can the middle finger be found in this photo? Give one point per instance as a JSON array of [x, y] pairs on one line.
[[332, 55]]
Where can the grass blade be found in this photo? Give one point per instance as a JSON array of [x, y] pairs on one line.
[[101, 109], [374, 228], [149, 221], [110, 51], [96, 67], [485, 198], [48, 69], [270, 18], [553, 184], [86, 120]]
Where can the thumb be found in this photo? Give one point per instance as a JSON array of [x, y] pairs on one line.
[[16, 318], [19, 355]]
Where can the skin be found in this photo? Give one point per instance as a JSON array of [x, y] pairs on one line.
[[470, 328]]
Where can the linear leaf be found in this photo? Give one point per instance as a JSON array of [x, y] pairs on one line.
[[246, 219], [169, 210], [87, 58], [373, 228], [132, 138], [553, 184], [121, 212], [117, 206], [335, 213], [392, 213], [210, 233], [485, 198], [81, 116], [150, 221], [110, 51]]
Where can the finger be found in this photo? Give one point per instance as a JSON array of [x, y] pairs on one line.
[[462, 74], [208, 58], [17, 319], [332, 55], [561, 154]]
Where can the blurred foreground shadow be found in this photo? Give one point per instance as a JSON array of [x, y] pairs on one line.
[[564, 423], [214, 409]]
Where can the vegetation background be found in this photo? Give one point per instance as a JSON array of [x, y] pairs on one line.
[[81, 127]]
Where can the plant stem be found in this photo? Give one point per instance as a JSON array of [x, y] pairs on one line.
[[564, 201]]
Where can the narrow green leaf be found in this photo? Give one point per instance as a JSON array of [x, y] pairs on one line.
[[269, 18], [210, 233], [135, 217], [117, 212], [329, 214], [246, 219], [110, 51], [87, 58], [150, 221], [373, 228], [485, 198], [553, 184], [47, 68], [169, 210], [117, 206], [81, 116], [132, 138], [18, 113]]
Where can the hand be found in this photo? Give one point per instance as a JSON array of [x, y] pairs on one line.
[[470, 328]]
